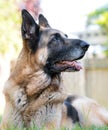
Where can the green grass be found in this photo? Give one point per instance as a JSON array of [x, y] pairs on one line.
[[91, 128], [75, 128]]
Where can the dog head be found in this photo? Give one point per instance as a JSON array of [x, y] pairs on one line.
[[52, 50]]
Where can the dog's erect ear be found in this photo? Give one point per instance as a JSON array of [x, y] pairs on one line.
[[43, 21], [29, 26], [30, 29]]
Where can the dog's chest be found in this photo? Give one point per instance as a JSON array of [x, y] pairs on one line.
[[48, 114]]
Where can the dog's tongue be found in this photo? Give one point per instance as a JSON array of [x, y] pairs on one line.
[[75, 64]]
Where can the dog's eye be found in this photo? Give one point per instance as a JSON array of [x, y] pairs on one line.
[[56, 37], [56, 40]]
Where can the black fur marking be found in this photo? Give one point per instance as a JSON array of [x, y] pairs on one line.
[[72, 112], [33, 43], [49, 69], [70, 99], [19, 100]]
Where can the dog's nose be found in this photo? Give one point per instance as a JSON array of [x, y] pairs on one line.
[[84, 45]]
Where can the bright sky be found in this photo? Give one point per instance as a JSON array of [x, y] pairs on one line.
[[68, 15]]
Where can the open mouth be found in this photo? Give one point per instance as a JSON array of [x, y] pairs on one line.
[[69, 65]]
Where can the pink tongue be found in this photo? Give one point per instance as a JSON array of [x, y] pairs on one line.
[[75, 64]]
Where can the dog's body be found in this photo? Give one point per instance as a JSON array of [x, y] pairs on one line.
[[89, 111], [34, 93]]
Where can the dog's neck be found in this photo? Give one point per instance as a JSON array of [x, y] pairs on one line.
[[33, 78]]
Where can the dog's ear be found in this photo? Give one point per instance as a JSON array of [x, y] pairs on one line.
[[43, 21], [30, 29], [29, 26]]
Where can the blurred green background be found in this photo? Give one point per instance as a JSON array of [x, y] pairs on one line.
[[10, 41]]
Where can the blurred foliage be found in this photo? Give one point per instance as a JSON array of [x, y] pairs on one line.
[[10, 40], [106, 52], [100, 17]]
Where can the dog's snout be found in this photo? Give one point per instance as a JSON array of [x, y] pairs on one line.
[[84, 45]]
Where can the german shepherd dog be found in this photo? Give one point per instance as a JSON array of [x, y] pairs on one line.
[[34, 92]]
